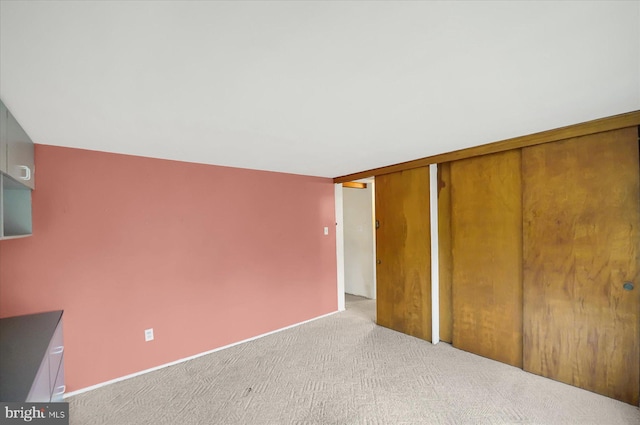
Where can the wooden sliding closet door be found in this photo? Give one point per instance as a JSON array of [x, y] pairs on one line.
[[403, 252], [486, 239], [581, 238]]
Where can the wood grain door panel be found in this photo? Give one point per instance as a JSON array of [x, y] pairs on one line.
[[403, 252], [444, 252], [486, 240], [581, 218]]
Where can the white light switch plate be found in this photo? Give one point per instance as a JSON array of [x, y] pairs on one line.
[[326, 230], [148, 335]]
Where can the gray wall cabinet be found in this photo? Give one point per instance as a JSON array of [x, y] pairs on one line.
[[17, 177], [4, 117], [18, 157]]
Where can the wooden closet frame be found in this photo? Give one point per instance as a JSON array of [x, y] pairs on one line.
[[600, 125]]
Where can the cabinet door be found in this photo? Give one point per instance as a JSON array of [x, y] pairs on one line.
[[15, 209], [41, 389], [3, 137], [581, 240], [58, 385], [19, 153], [403, 287], [56, 353]]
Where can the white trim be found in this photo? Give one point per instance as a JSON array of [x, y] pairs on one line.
[[142, 372], [375, 251], [339, 244], [435, 269]]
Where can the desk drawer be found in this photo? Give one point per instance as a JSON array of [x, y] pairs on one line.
[[56, 353], [59, 386]]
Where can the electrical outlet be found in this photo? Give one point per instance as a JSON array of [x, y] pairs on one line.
[[148, 335]]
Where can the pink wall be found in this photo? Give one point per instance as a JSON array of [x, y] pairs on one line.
[[205, 255]]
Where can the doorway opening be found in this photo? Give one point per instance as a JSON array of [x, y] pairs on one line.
[[359, 243]]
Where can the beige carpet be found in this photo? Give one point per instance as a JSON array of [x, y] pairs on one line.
[[344, 369]]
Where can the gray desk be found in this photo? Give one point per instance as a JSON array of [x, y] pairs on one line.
[[24, 344]]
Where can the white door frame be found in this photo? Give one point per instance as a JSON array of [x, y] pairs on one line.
[[337, 188]]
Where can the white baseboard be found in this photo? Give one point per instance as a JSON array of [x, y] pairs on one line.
[[142, 372]]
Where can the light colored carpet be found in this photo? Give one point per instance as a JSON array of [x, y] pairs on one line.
[[343, 369]]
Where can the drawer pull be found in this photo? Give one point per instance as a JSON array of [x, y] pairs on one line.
[[60, 390], [27, 172], [58, 350]]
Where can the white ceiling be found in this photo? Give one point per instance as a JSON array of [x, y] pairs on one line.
[[316, 88]]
